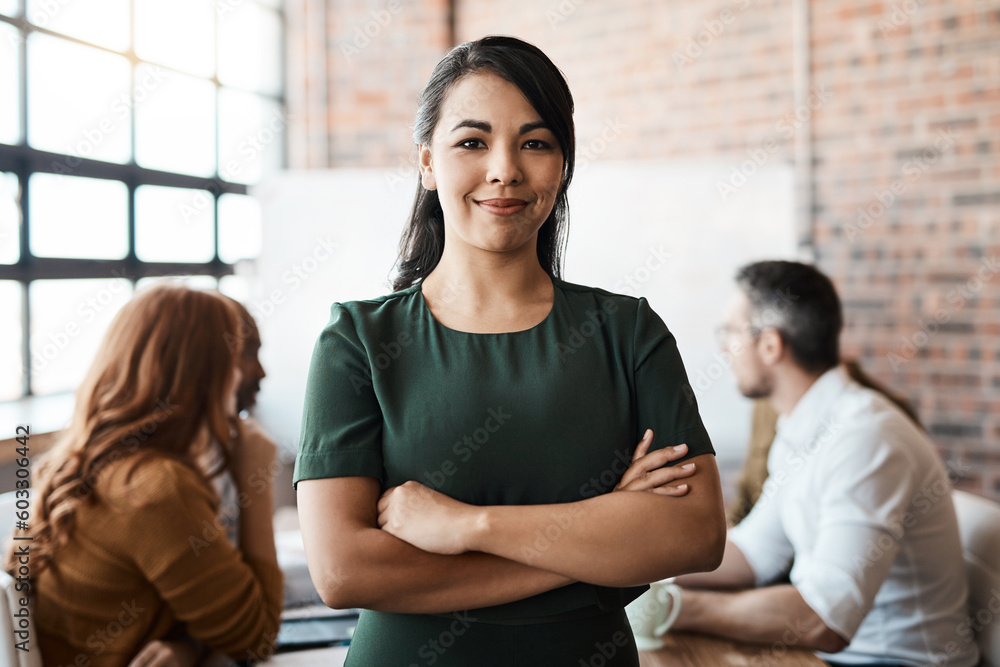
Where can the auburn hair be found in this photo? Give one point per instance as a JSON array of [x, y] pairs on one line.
[[159, 377]]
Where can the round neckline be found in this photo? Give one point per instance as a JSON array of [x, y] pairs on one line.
[[544, 320]]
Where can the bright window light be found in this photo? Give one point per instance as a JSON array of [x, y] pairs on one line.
[[244, 63], [10, 83], [102, 22], [78, 217], [10, 340], [239, 228], [78, 100], [68, 320], [251, 136], [195, 282], [174, 224], [178, 34], [10, 219], [175, 124]]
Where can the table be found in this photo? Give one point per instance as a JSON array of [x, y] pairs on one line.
[[682, 650]]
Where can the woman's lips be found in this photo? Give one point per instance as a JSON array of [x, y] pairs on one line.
[[502, 206]]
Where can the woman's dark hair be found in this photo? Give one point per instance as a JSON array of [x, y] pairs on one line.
[[544, 86], [802, 304]]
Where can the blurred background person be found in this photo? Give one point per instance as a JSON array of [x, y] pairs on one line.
[[857, 509], [751, 480], [247, 341], [125, 532]]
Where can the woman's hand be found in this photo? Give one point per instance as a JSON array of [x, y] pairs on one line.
[[647, 472], [161, 653], [425, 518], [432, 521]]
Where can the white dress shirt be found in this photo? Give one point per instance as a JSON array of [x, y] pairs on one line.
[[858, 504]]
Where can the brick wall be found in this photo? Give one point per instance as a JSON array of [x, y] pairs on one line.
[[907, 187], [905, 121], [355, 71]]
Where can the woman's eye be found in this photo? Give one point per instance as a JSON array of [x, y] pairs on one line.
[[471, 143], [536, 144]]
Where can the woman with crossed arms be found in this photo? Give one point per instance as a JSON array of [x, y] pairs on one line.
[[469, 440]]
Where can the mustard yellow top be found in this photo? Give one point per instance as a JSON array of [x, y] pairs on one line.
[[149, 553]]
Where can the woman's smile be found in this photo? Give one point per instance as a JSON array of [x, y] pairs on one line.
[[502, 207]]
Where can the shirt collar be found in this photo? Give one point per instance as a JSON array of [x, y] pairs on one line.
[[806, 417]]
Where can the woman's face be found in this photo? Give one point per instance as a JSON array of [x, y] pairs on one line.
[[496, 167]]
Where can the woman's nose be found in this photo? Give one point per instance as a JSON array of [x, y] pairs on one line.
[[504, 166]]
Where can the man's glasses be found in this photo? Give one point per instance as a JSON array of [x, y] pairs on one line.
[[724, 333]]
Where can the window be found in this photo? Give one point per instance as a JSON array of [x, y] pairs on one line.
[[130, 131]]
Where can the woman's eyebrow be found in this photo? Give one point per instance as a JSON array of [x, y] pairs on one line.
[[486, 127], [537, 125], [474, 124]]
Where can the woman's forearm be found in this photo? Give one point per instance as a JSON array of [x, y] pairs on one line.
[[384, 573], [617, 539], [355, 564]]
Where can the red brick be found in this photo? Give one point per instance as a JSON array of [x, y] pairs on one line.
[[891, 93]]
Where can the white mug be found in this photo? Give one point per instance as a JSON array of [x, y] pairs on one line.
[[652, 613]]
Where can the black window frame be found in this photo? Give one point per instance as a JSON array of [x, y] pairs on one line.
[[23, 160]]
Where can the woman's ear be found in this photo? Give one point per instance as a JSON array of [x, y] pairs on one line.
[[427, 178]]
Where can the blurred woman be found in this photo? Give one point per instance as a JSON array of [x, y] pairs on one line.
[[129, 563]]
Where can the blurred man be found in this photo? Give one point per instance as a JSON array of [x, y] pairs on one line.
[[246, 399], [857, 509], [253, 372]]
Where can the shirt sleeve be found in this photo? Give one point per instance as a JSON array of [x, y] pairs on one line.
[[862, 520], [230, 602], [762, 540], [341, 419], [664, 398]]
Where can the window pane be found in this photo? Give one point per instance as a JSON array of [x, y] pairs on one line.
[[236, 287], [10, 219], [174, 224], [277, 4], [250, 48], [68, 320], [78, 101], [10, 340], [175, 126], [78, 217], [197, 282], [10, 83], [239, 228], [104, 22], [252, 136], [179, 34], [8, 7]]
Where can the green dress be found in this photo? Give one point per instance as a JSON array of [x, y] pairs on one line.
[[550, 414]]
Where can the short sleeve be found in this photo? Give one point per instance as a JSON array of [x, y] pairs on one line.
[[341, 419], [665, 400]]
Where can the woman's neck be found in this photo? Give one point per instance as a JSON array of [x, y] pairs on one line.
[[486, 278], [488, 295]]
